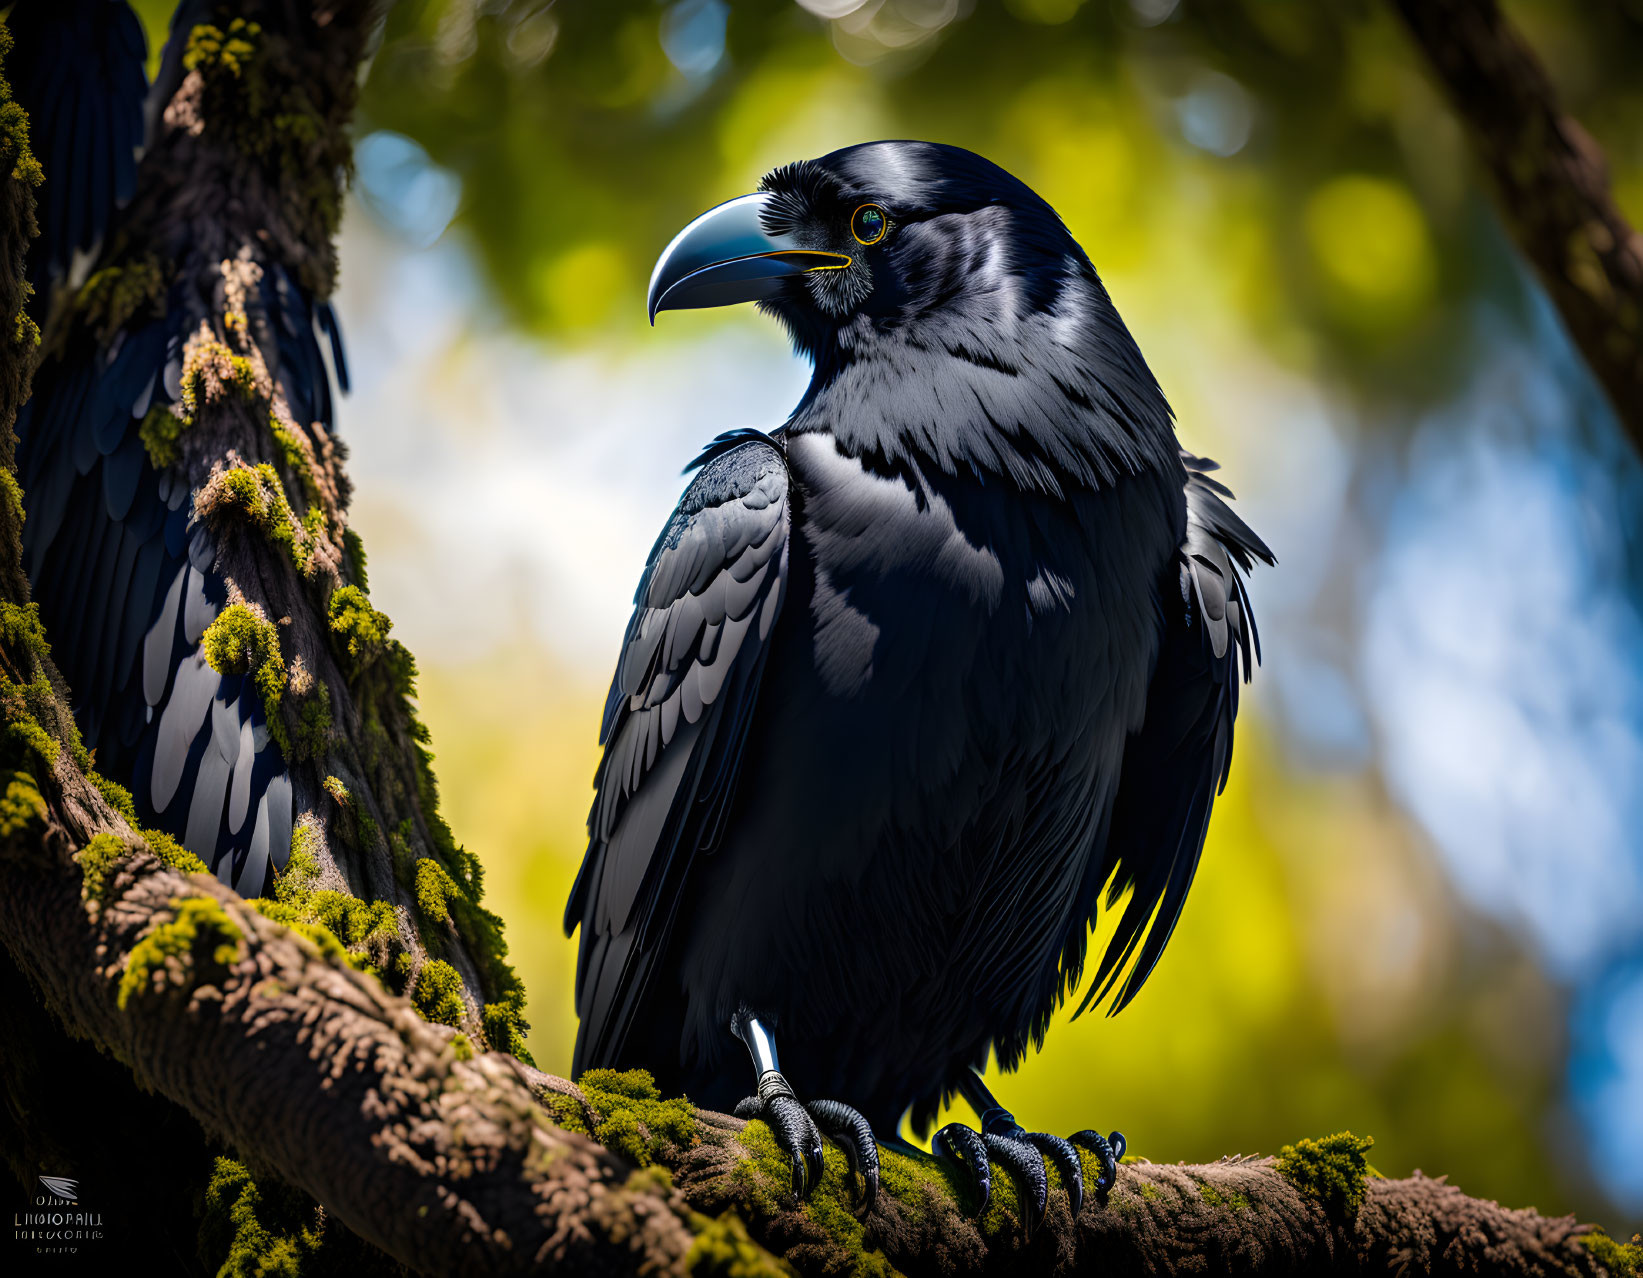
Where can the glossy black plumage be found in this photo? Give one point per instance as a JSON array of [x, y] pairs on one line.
[[676, 719], [124, 574], [77, 69], [1001, 673]]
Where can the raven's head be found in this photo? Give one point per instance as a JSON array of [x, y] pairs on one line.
[[885, 233], [937, 263]]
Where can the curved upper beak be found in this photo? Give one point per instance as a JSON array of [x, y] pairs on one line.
[[726, 256]]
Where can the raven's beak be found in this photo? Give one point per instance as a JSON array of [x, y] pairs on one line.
[[726, 256]]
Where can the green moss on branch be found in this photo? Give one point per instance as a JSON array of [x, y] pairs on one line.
[[631, 1116], [353, 549], [21, 805], [435, 891], [1332, 1171], [246, 1237], [359, 632], [297, 460], [161, 432], [254, 497], [116, 295], [211, 373], [723, 1249], [199, 937], [16, 155], [363, 934], [1622, 1260], [100, 859]]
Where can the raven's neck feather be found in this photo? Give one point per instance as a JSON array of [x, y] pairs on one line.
[[1041, 395]]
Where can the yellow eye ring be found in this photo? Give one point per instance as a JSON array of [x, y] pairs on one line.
[[869, 223]]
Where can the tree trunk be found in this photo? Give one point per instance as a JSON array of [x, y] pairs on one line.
[[242, 183]]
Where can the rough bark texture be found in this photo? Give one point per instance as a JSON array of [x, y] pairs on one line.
[[45, 1073], [453, 1166], [338, 1086], [1552, 185]]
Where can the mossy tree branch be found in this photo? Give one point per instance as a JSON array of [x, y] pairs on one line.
[[455, 1162], [320, 1074], [1551, 183], [47, 1118]]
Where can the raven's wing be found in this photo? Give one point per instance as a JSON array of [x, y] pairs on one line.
[[78, 70], [675, 723], [1178, 762]]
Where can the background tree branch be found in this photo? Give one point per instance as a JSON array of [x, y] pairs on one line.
[[1551, 184]]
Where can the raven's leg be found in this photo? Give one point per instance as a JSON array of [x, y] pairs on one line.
[[798, 1128], [1022, 1153]]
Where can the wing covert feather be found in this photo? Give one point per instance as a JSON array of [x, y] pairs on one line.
[[675, 722]]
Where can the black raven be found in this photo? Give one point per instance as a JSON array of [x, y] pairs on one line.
[[912, 678]]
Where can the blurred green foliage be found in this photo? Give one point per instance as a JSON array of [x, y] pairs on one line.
[[1344, 201]]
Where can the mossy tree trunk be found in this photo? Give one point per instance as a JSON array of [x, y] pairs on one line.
[[63, 1103], [246, 171], [242, 183]]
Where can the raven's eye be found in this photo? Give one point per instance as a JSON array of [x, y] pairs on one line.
[[869, 223]]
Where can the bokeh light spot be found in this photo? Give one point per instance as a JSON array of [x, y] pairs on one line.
[[1370, 240], [693, 35], [579, 287], [405, 189], [1048, 12], [1216, 115]]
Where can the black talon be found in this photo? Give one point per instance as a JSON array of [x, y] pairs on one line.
[[1015, 1153], [965, 1147], [798, 1127], [1066, 1161], [796, 1132], [796, 1136], [854, 1134], [997, 1123], [1026, 1164], [1109, 1149]]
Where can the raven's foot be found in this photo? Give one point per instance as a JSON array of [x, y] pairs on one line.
[[1022, 1153], [799, 1128]]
